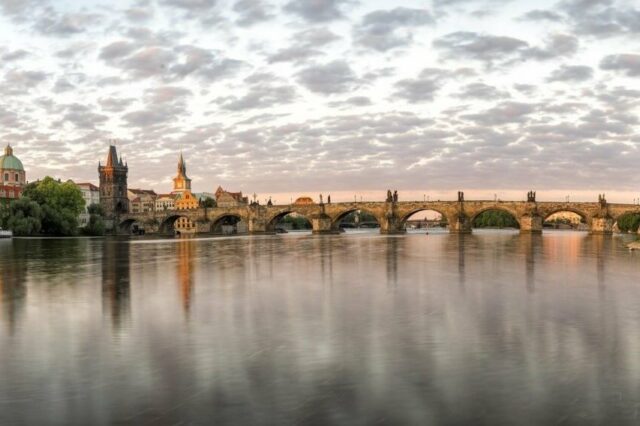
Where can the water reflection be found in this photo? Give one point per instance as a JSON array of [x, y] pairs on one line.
[[491, 328], [116, 282]]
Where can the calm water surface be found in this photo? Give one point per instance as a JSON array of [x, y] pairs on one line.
[[490, 328]]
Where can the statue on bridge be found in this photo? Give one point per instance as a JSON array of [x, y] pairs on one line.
[[531, 197], [321, 199], [602, 200], [329, 199], [389, 196], [395, 196], [269, 203], [460, 196]]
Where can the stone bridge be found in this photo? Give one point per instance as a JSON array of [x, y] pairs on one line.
[[599, 216]]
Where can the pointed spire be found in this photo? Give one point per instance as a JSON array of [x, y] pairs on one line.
[[182, 167], [112, 159], [8, 150]]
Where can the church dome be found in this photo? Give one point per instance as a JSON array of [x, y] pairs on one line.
[[8, 161]]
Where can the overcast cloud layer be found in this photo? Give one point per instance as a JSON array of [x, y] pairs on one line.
[[342, 95]]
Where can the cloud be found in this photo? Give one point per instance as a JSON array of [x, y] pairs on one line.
[[316, 10], [251, 12], [488, 48], [603, 18], [117, 49], [503, 113], [481, 91], [420, 89], [538, 15], [571, 73], [383, 30], [626, 63], [557, 45], [329, 78], [67, 24], [305, 46]]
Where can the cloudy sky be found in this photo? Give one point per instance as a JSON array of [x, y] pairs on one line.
[[341, 96]]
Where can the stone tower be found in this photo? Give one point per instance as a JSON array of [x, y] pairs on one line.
[[181, 183], [113, 185]]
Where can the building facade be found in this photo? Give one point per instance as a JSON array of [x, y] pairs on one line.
[[91, 195], [165, 202], [184, 198], [113, 185], [13, 177], [142, 200], [230, 199]]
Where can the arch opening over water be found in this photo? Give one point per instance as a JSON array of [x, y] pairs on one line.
[[228, 224], [289, 221], [425, 219], [356, 219], [177, 224], [566, 220], [495, 218]]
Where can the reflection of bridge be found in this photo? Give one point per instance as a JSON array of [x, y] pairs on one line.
[[600, 217]]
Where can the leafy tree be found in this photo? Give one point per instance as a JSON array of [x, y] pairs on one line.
[[61, 204], [22, 216], [629, 223], [208, 203], [297, 222], [96, 226], [495, 219]]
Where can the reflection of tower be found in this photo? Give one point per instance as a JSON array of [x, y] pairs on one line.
[[116, 282], [113, 185], [12, 288], [185, 272]]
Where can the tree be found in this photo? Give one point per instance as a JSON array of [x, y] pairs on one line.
[[495, 219], [629, 223], [96, 226], [208, 202], [61, 204], [22, 216]]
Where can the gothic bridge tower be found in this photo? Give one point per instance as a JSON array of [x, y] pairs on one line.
[[113, 185]]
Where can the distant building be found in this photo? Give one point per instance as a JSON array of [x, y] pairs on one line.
[[165, 202], [304, 201], [230, 199], [113, 185], [91, 195], [184, 225], [12, 176], [142, 200]]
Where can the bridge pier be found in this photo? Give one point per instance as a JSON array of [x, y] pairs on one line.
[[258, 226], [601, 225], [459, 224], [530, 224], [322, 225], [392, 226]]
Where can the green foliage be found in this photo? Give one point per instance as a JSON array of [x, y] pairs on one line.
[[60, 205], [629, 223], [208, 203], [495, 219], [363, 217], [297, 222], [96, 226], [22, 216]]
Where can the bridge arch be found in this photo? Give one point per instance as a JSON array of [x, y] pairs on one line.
[[168, 224], [475, 216], [404, 219], [336, 220], [272, 223], [585, 218], [226, 223], [126, 226]]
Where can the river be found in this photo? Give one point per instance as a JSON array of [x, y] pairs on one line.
[[353, 329]]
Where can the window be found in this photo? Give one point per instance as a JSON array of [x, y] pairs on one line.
[[17, 177], [6, 177]]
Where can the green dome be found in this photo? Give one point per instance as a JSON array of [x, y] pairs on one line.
[[10, 162]]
